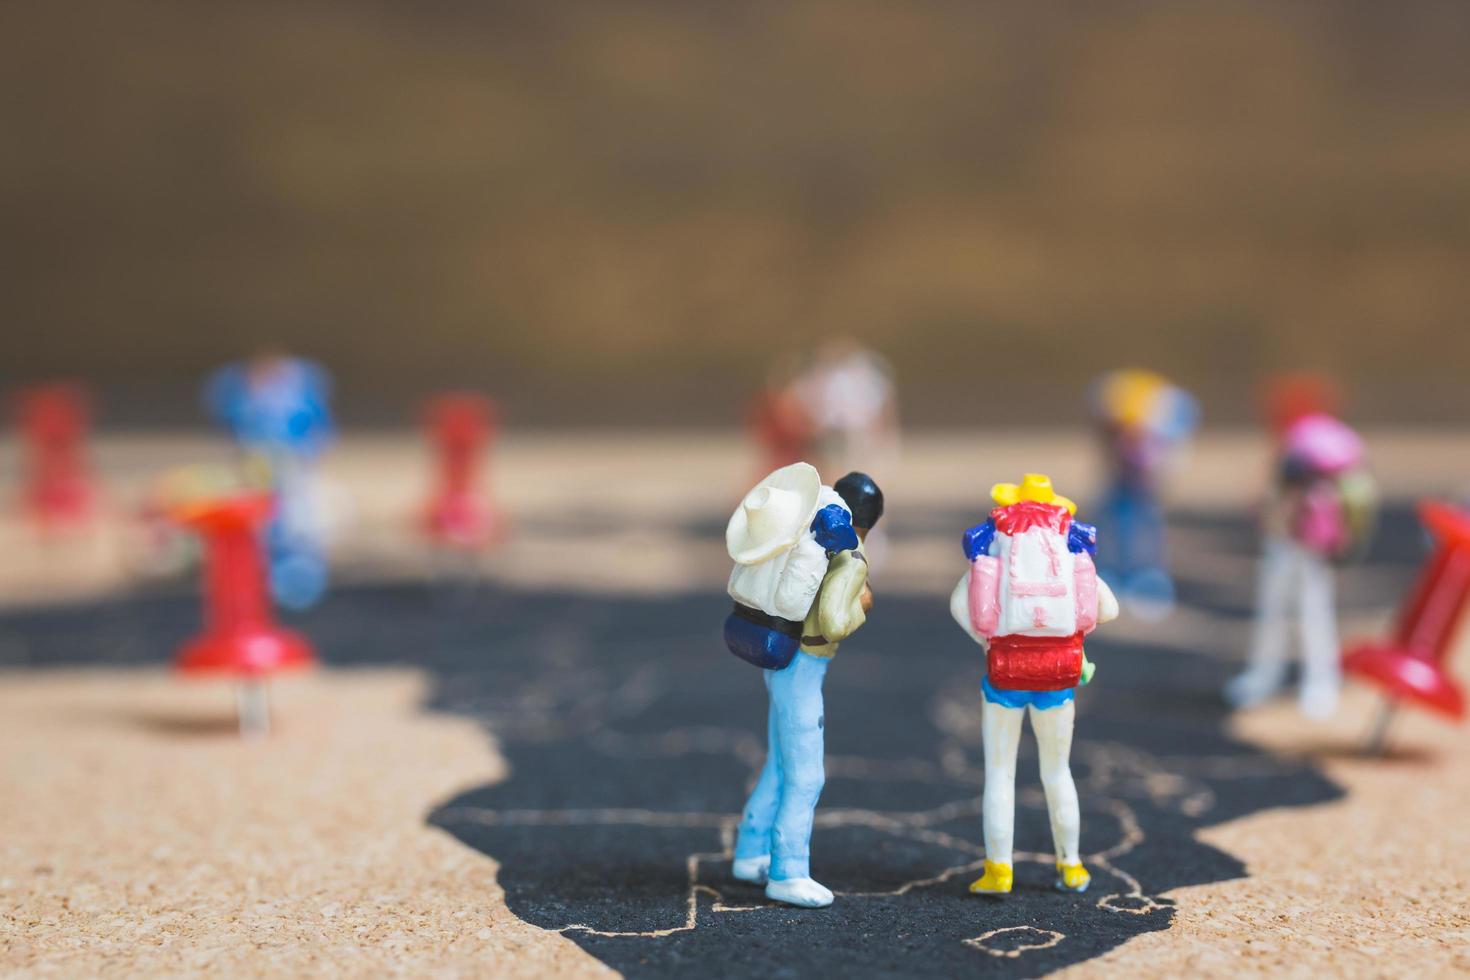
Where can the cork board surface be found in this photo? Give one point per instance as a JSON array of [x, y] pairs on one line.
[[145, 839]]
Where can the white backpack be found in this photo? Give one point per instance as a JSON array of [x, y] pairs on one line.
[[1032, 585]]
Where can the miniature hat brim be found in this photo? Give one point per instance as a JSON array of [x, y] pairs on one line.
[[745, 545]]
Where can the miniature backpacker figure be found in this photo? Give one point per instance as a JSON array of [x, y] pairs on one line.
[[1030, 596], [800, 588], [1144, 422], [277, 409], [1321, 512]]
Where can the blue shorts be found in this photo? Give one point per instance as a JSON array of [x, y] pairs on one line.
[[1041, 700]]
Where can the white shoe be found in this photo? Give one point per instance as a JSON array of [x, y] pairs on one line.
[[754, 870], [799, 891], [1251, 688]]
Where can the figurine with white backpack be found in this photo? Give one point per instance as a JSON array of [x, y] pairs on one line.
[[800, 587], [1030, 596]]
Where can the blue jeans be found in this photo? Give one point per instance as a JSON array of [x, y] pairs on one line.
[[1131, 524], [778, 816]]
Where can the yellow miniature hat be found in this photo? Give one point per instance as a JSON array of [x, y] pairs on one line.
[[1033, 486]]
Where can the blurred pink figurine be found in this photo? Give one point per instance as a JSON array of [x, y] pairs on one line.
[[1321, 512]]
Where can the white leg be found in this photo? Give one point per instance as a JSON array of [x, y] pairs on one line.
[[1266, 668], [1001, 730], [1053, 727], [1321, 668]]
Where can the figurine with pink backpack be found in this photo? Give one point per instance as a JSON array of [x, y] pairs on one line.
[[1030, 596], [1320, 513]]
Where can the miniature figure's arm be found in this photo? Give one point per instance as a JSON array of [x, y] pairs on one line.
[[222, 394], [833, 529], [840, 611], [1107, 603], [316, 416], [1082, 538], [977, 539], [959, 608]]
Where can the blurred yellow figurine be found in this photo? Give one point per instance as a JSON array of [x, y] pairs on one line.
[[1143, 423]]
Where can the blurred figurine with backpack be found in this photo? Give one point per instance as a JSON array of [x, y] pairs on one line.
[[1320, 513], [1144, 423], [1030, 596], [800, 586], [276, 407], [849, 400]]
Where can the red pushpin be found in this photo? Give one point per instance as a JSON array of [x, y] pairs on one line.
[[1287, 398], [54, 421], [240, 634], [461, 427], [1413, 664]]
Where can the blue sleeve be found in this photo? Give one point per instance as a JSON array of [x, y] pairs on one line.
[[311, 428], [977, 539], [833, 528], [1082, 537], [223, 393]]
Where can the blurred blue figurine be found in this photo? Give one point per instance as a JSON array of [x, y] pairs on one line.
[[1144, 422], [276, 408]]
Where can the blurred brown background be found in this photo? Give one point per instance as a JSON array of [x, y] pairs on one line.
[[618, 212]]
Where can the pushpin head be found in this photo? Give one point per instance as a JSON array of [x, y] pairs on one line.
[[459, 514], [1413, 664], [240, 636]]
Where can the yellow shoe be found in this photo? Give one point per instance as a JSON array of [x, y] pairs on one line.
[[996, 880], [1072, 877]]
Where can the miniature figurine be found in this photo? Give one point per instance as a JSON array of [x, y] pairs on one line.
[[848, 400], [800, 587], [1143, 422], [276, 407], [1031, 594], [847, 395], [1413, 664], [1321, 512]]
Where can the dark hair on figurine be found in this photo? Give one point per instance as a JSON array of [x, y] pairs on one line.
[[862, 497]]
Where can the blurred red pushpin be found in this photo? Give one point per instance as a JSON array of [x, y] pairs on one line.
[[1413, 664], [1287, 398], [54, 423], [240, 634], [461, 427]]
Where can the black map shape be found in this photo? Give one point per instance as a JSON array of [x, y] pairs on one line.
[[633, 737]]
